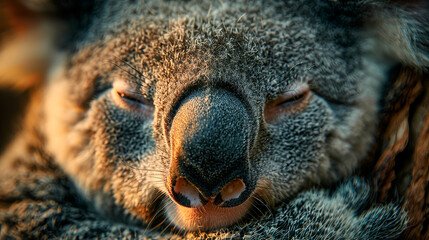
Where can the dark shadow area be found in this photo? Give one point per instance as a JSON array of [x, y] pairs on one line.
[[12, 105]]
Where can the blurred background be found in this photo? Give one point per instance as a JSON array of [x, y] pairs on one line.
[[12, 100]]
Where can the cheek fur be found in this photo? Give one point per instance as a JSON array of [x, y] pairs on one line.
[[122, 134], [294, 149]]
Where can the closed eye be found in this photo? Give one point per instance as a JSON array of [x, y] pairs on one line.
[[133, 99], [289, 103], [126, 98]]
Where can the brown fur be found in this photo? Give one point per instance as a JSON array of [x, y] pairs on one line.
[[74, 132]]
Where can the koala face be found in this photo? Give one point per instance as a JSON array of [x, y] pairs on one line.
[[205, 113]]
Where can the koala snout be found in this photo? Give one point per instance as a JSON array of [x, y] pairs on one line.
[[210, 142]]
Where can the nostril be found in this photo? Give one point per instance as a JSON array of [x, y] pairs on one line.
[[186, 194], [232, 190]]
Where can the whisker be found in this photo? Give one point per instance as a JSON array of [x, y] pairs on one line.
[[132, 67], [120, 67], [177, 229], [170, 223], [155, 183], [256, 197], [159, 195], [147, 169], [202, 210], [155, 176], [165, 218], [258, 209], [150, 222]]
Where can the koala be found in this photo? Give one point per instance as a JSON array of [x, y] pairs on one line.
[[198, 115]]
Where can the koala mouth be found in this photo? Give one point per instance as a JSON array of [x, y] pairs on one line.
[[207, 217], [191, 211]]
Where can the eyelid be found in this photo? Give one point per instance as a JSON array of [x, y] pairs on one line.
[[121, 86], [291, 95], [127, 97], [289, 103]]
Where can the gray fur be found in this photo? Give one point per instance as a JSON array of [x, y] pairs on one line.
[[316, 214], [118, 159]]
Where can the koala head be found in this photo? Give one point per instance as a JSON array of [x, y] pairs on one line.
[[199, 114]]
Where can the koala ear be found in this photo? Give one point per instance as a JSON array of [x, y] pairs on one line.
[[402, 31], [32, 32]]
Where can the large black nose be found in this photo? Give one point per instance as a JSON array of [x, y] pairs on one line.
[[210, 138]]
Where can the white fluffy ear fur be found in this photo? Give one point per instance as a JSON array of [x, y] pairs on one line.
[[402, 29]]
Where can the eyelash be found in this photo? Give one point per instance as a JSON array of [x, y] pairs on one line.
[[132, 101], [287, 104], [128, 98], [295, 99]]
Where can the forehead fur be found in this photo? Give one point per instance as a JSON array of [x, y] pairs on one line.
[[262, 41]]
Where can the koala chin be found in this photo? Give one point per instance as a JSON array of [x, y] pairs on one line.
[[205, 114]]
